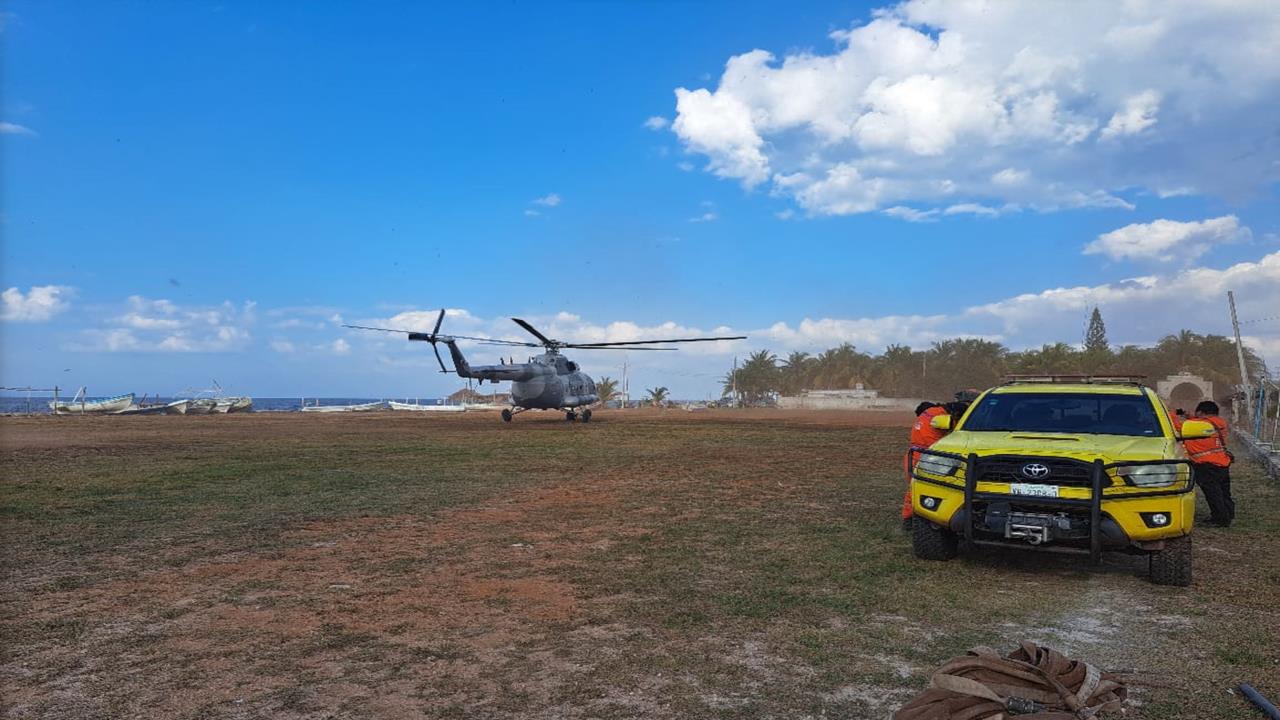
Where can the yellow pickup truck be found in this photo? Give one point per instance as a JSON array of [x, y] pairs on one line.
[[1066, 462]]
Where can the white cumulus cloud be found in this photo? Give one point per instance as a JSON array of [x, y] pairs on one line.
[[911, 214], [38, 304], [1139, 113], [160, 325], [657, 122], [551, 200], [7, 128], [1167, 240], [1043, 106]]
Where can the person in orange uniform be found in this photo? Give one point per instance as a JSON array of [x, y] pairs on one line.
[[1212, 462], [923, 434]]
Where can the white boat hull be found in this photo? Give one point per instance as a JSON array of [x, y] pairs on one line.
[[233, 404], [177, 407], [366, 407], [201, 406], [410, 407], [142, 410], [94, 407]]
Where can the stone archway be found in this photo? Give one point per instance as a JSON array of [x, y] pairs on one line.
[[1184, 390], [1186, 395]]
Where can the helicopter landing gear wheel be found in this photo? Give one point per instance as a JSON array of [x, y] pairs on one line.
[[586, 415], [506, 415], [570, 416]]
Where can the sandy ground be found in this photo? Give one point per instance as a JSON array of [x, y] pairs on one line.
[[650, 564]]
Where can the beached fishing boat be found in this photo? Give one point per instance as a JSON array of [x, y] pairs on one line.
[[232, 404], [141, 410], [80, 406], [414, 407], [142, 407], [201, 406], [177, 407], [365, 407]]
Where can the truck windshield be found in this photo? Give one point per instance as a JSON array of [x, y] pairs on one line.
[[1065, 413]]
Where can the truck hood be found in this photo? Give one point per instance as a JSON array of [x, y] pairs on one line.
[[1108, 448]]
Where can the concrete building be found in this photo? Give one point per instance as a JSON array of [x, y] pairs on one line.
[[859, 398]]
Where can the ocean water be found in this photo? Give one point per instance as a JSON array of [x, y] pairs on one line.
[[39, 405]]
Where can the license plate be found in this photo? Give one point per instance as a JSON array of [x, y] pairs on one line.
[[1033, 489]]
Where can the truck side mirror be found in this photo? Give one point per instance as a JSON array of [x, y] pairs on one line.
[[943, 422], [1198, 430]]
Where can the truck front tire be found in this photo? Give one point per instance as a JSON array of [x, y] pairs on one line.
[[930, 542], [1172, 565]]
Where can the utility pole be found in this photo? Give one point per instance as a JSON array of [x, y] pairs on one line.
[[734, 378], [1244, 373]]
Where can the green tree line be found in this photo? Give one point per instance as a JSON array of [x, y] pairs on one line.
[[950, 365]]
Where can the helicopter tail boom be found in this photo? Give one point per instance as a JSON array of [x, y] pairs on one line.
[[492, 373]]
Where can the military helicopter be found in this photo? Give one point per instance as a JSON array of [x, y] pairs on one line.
[[549, 381]]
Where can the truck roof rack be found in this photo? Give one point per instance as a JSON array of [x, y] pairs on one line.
[[1081, 379]]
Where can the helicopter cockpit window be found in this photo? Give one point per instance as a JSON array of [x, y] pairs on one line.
[[573, 366]]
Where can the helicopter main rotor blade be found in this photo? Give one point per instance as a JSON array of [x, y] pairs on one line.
[[532, 331], [654, 342], [495, 341], [614, 347], [431, 336], [366, 327]]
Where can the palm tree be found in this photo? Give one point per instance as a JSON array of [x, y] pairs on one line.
[[964, 363], [898, 371], [1182, 350], [657, 396], [1057, 359], [839, 368], [758, 377], [794, 373], [607, 389]]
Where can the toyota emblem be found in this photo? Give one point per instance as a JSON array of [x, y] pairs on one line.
[[1035, 471]]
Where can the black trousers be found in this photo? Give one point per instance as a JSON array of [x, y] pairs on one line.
[[1215, 481]]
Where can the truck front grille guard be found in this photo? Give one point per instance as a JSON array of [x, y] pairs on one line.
[[1098, 478]]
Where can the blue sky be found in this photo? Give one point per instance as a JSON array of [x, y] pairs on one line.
[[196, 190]]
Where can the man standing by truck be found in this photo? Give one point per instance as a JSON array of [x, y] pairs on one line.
[[923, 435], [1212, 462]]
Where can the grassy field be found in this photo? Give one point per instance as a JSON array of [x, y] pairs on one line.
[[717, 564]]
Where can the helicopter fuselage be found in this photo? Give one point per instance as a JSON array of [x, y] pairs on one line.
[[547, 382]]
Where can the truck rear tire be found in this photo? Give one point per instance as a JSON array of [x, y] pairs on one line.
[[930, 542], [1172, 565]]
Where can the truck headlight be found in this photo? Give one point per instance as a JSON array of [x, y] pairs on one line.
[[938, 465], [1151, 475]]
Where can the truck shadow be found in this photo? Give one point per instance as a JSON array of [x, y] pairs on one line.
[[1036, 561]]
